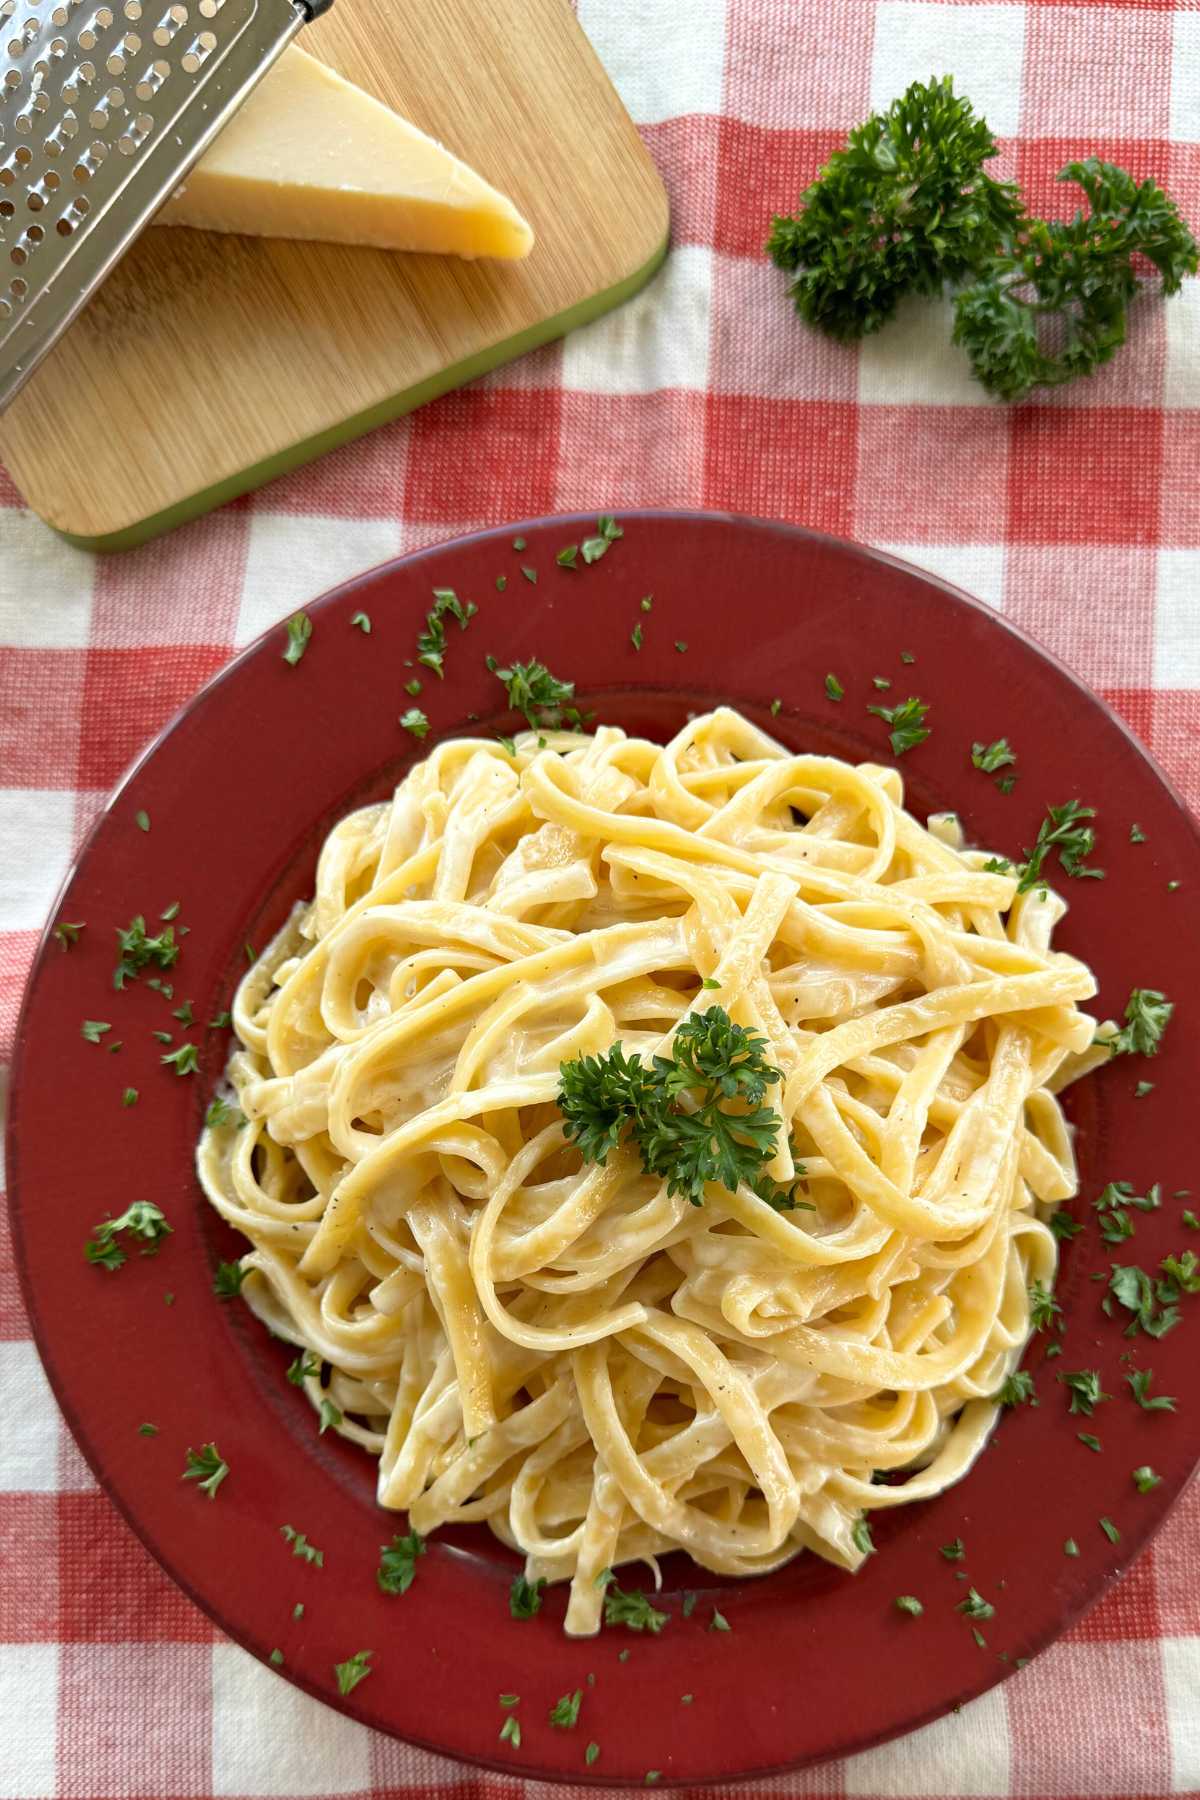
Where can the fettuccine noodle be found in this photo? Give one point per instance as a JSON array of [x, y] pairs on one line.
[[599, 1370]]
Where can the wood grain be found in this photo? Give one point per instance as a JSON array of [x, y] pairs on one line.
[[208, 364]]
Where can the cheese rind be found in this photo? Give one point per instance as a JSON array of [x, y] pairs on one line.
[[309, 155]]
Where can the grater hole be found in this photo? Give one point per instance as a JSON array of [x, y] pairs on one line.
[[210, 8], [58, 48], [12, 80], [18, 287], [198, 52], [86, 39], [133, 9], [152, 80], [23, 156], [104, 17], [59, 16], [35, 234], [7, 209]]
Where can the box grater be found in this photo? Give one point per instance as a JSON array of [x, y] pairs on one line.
[[103, 110]]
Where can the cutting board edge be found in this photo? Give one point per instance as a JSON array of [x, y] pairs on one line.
[[295, 456]]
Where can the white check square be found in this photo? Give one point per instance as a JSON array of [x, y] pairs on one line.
[[40, 817], [659, 339], [1181, 1681], [291, 559], [1177, 620], [29, 1708], [269, 1738], [662, 60], [983, 47], [29, 1440], [45, 587], [978, 569]]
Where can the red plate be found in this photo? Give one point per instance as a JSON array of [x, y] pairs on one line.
[[240, 791]]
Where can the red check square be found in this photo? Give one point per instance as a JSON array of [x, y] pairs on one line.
[[128, 695], [784, 459], [931, 474], [501, 440], [1084, 475], [112, 1592]]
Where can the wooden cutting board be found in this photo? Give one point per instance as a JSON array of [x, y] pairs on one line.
[[208, 364]]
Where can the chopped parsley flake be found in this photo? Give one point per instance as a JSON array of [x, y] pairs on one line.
[[1064, 1226], [607, 533], [564, 1714], [990, 757], [129, 1097], [975, 1606], [637, 636], [567, 556], [908, 1603], [299, 631], [304, 1368], [646, 602], [431, 643], [719, 1622], [94, 1029], [833, 688], [529, 574], [142, 1220], [301, 1546], [1089, 1442], [1110, 1531], [1136, 834], [906, 721], [398, 1563], [363, 621], [66, 933], [632, 1609], [525, 1597], [954, 1551], [276, 1659], [510, 1731], [142, 819], [414, 720], [185, 1060], [227, 1282], [539, 695], [1018, 1390], [329, 1415], [591, 1753], [147, 1430], [1044, 1309], [356, 1668], [861, 1535], [1085, 1391], [681, 646], [1144, 1479], [138, 950], [1070, 1547], [207, 1467]]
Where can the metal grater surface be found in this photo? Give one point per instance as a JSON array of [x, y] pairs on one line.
[[103, 110]]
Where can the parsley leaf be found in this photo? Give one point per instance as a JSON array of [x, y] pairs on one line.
[[1147, 1013], [564, 1714], [185, 1060], [299, 631], [301, 1546], [607, 533], [1085, 1390], [329, 1415], [1070, 1547], [510, 1731], [953, 1551], [363, 621], [66, 934], [908, 1603], [356, 1668], [1064, 1226], [833, 688], [539, 695], [414, 720], [525, 1597], [1144, 1479], [1017, 1390], [305, 1368], [1152, 1304], [1110, 1531], [990, 757], [1044, 1309], [632, 1609], [398, 1563], [1089, 1442], [129, 1097], [905, 720], [227, 1282], [861, 1535], [138, 950], [142, 1220], [431, 643], [220, 1112], [1113, 1206], [94, 1029], [975, 1606], [1061, 831], [207, 1467]]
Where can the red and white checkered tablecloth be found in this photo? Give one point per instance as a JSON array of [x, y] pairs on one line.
[[1077, 516]]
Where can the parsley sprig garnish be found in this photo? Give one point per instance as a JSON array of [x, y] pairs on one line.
[[541, 696], [1147, 1014], [1062, 832], [431, 643], [1153, 1301], [696, 1116], [142, 1220], [1083, 1387]]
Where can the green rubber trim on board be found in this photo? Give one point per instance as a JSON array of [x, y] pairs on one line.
[[308, 449]]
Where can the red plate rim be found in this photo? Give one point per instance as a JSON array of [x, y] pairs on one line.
[[443, 1647]]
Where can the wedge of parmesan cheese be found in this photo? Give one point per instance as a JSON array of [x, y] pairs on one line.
[[309, 155]]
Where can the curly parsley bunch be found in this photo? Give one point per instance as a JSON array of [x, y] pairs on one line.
[[906, 208]]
